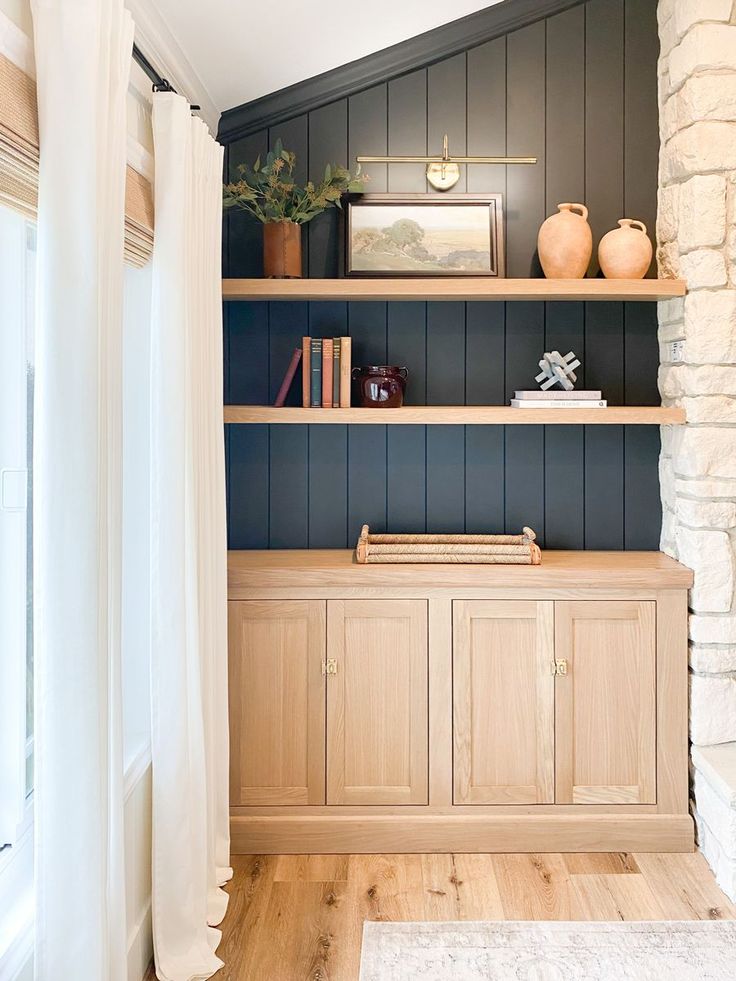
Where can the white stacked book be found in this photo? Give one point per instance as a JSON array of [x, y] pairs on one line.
[[558, 400]]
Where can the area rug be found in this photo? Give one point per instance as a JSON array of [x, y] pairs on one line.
[[549, 951]]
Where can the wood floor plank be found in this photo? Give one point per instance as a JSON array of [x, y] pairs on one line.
[[685, 887], [311, 868], [601, 863], [460, 887], [533, 887], [288, 922], [591, 899]]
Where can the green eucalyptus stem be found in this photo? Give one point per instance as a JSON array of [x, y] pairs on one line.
[[269, 193]]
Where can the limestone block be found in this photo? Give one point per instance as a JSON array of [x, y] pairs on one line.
[[713, 660], [671, 311], [709, 554], [670, 115], [705, 489], [705, 47], [667, 542], [665, 436], [702, 212], [705, 147], [678, 380], [718, 813], [710, 327], [703, 269], [687, 13], [709, 409], [704, 97], [667, 212], [668, 261], [704, 514], [713, 629], [723, 866], [704, 451], [712, 710], [667, 483], [665, 9]]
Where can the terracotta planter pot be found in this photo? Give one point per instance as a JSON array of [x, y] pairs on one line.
[[282, 250], [565, 243], [625, 252]]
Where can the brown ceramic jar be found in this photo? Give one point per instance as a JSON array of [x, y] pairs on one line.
[[379, 386]]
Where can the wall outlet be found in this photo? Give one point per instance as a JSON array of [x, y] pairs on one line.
[[677, 350]]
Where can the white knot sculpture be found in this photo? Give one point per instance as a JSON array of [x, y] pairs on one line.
[[557, 370]]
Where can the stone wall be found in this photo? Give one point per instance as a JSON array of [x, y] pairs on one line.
[[696, 233]]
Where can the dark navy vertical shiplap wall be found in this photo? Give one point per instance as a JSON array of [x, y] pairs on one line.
[[578, 90]]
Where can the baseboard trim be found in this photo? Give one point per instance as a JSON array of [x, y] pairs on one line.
[[300, 835]]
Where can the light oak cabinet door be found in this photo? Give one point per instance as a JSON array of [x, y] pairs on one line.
[[606, 702], [503, 702], [377, 721], [277, 702]]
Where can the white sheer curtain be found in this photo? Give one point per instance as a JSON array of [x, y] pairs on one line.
[[188, 550], [82, 50]]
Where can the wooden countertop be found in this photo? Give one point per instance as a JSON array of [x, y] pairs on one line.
[[264, 569]]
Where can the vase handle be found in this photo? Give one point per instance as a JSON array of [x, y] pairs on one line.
[[635, 223], [354, 373], [404, 372], [571, 206]]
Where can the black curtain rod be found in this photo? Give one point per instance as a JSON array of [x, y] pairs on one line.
[[158, 82]]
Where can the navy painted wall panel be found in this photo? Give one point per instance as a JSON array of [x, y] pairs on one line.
[[578, 90]]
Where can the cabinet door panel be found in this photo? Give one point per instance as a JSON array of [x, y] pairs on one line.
[[377, 723], [277, 702], [606, 703], [503, 702]]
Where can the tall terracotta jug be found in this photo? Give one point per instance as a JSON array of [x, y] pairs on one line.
[[565, 243]]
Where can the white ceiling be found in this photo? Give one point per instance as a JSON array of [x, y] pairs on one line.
[[241, 50]]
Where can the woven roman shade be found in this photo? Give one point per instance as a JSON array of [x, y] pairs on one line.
[[19, 164]]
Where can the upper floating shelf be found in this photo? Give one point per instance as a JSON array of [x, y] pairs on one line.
[[479, 288], [458, 415]]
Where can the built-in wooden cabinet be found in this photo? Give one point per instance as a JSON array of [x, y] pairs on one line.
[[277, 702], [377, 726], [606, 703], [328, 702], [451, 708], [503, 702]]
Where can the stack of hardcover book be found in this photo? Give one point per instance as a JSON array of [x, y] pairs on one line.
[[558, 400], [326, 372]]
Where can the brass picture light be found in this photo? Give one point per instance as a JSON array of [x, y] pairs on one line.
[[444, 172]]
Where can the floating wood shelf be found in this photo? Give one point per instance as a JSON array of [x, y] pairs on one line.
[[458, 415], [479, 288]]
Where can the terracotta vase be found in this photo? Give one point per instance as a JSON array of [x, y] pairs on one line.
[[565, 243], [282, 250], [625, 252]]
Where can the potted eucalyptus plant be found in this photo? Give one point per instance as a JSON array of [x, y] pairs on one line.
[[268, 191]]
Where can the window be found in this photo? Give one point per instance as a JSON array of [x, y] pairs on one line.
[[17, 260], [17, 268]]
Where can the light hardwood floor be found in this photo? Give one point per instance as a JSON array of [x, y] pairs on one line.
[[300, 917]]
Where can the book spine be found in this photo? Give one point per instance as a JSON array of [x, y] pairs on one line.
[[306, 370], [346, 363], [288, 378], [315, 374], [533, 395], [336, 372], [327, 357], [558, 404]]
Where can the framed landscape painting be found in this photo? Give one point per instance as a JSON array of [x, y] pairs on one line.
[[424, 235]]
